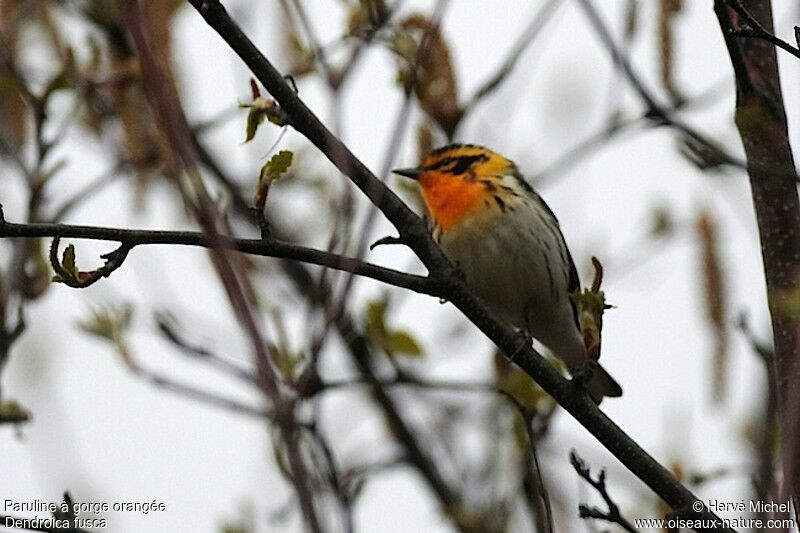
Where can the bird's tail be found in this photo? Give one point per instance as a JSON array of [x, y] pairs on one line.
[[601, 384]]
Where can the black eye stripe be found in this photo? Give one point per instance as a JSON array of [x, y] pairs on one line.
[[441, 163], [462, 163]]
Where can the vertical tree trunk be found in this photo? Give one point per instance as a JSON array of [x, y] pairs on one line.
[[761, 120]]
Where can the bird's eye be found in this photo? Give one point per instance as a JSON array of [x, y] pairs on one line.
[[463, 164]]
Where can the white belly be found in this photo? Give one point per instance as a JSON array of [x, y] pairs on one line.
[[518, 266]]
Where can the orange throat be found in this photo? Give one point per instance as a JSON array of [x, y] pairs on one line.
[[451, 199]]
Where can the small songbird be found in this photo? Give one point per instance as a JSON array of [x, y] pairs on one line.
[[508, 244]]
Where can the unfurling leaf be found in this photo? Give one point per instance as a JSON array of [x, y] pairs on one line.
[[277, 165], [273, 169], [376, 317], [111, 324], [255, 117], [392, 341], [261, 108], [68, 260], [401, 342], [590, 305], [108, 323], [67, 272]]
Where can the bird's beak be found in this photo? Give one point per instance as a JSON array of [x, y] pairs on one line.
[[413, 173]]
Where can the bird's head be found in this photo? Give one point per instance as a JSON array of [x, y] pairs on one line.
[[460, 180]]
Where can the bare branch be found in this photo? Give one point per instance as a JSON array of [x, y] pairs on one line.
[[529, 34], [414, 232], [169, 329], [268, 248], [612, 515], [188, 391], [750, 27], [656, 111]]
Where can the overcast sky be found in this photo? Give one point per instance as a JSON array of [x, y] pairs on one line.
[[107, 436]]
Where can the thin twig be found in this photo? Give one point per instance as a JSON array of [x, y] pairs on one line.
[[655, 110], [267, 248], [188, 391], [753, 29], [529, 34], [532, 437], [612, 515], [169, 329], [319, 53]]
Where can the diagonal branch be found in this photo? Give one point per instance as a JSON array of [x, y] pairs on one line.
[[415, 234], [532, 30]]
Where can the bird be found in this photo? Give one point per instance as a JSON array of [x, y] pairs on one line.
[[508, 245]]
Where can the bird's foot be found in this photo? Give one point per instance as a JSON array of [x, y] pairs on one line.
[[525, 342], [583, 375]]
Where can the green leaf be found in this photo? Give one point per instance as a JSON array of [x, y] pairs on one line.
[[277, 165], [591, 305], [286, 360], [260, 109], [375, 318], [69, 271], [271, 171], [392, 341], [590, 302], [68, 260], [401, 342], [255, 118], [109, 323]]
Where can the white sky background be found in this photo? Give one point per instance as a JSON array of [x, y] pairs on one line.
[[107, 436]]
